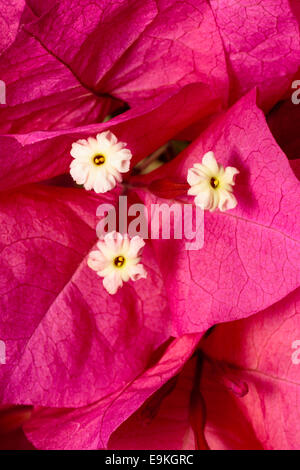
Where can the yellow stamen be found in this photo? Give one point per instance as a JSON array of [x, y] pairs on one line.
[[119, 261], [214, 182], [99, 160]]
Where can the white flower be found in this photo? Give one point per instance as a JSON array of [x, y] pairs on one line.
[[98, 162], [117, 260], [211, 183]]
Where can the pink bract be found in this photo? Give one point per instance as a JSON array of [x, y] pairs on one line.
[[95, 423], [42, 155], [201, 353], [250, 257]]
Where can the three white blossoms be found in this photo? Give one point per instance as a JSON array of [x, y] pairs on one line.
[[98, 164]]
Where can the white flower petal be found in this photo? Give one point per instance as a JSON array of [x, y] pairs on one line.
[[96, 261], [210, 162], [204, 199], [79, 171], [227, 201], [193, 176], [114, 241], [229, 175], [136, 244], [112, 282], [108, 136], [137, 272], [81, 151], [103, 184]]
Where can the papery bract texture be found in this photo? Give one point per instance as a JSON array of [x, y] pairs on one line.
[[262, 47], [156, 46], [250, 256], [10, 15], [37, 156], [68, 342], [42, 94], [259, 350], [90, 427], [160, 46]]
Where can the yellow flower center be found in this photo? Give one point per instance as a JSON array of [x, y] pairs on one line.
[[99, 160], [214, 182], [119, 261]]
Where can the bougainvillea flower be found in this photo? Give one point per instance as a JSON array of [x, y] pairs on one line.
[[249, 261], [117, 260], [54, 308], [250, 256], [211, 184], [94, 366], [240, 390], [98, 163], [259, 43], [37, 156]]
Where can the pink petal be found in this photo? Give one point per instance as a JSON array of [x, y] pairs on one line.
[[261, 41], [42, 94], [259, 351], [140, 60], [42, 155], [68, 341], [10, 18], [250, 257], [95, 423]]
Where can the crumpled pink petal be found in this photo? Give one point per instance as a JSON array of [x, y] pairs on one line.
[[156, 46], [10, 15], [42, 94], [68, 341], [37, 156], [246, 44], [247, 391], [165, 420], [262, 47], [90, 427], [250, 257], [259, 351]]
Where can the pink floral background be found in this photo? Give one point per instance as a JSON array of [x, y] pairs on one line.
[[199, 354]]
